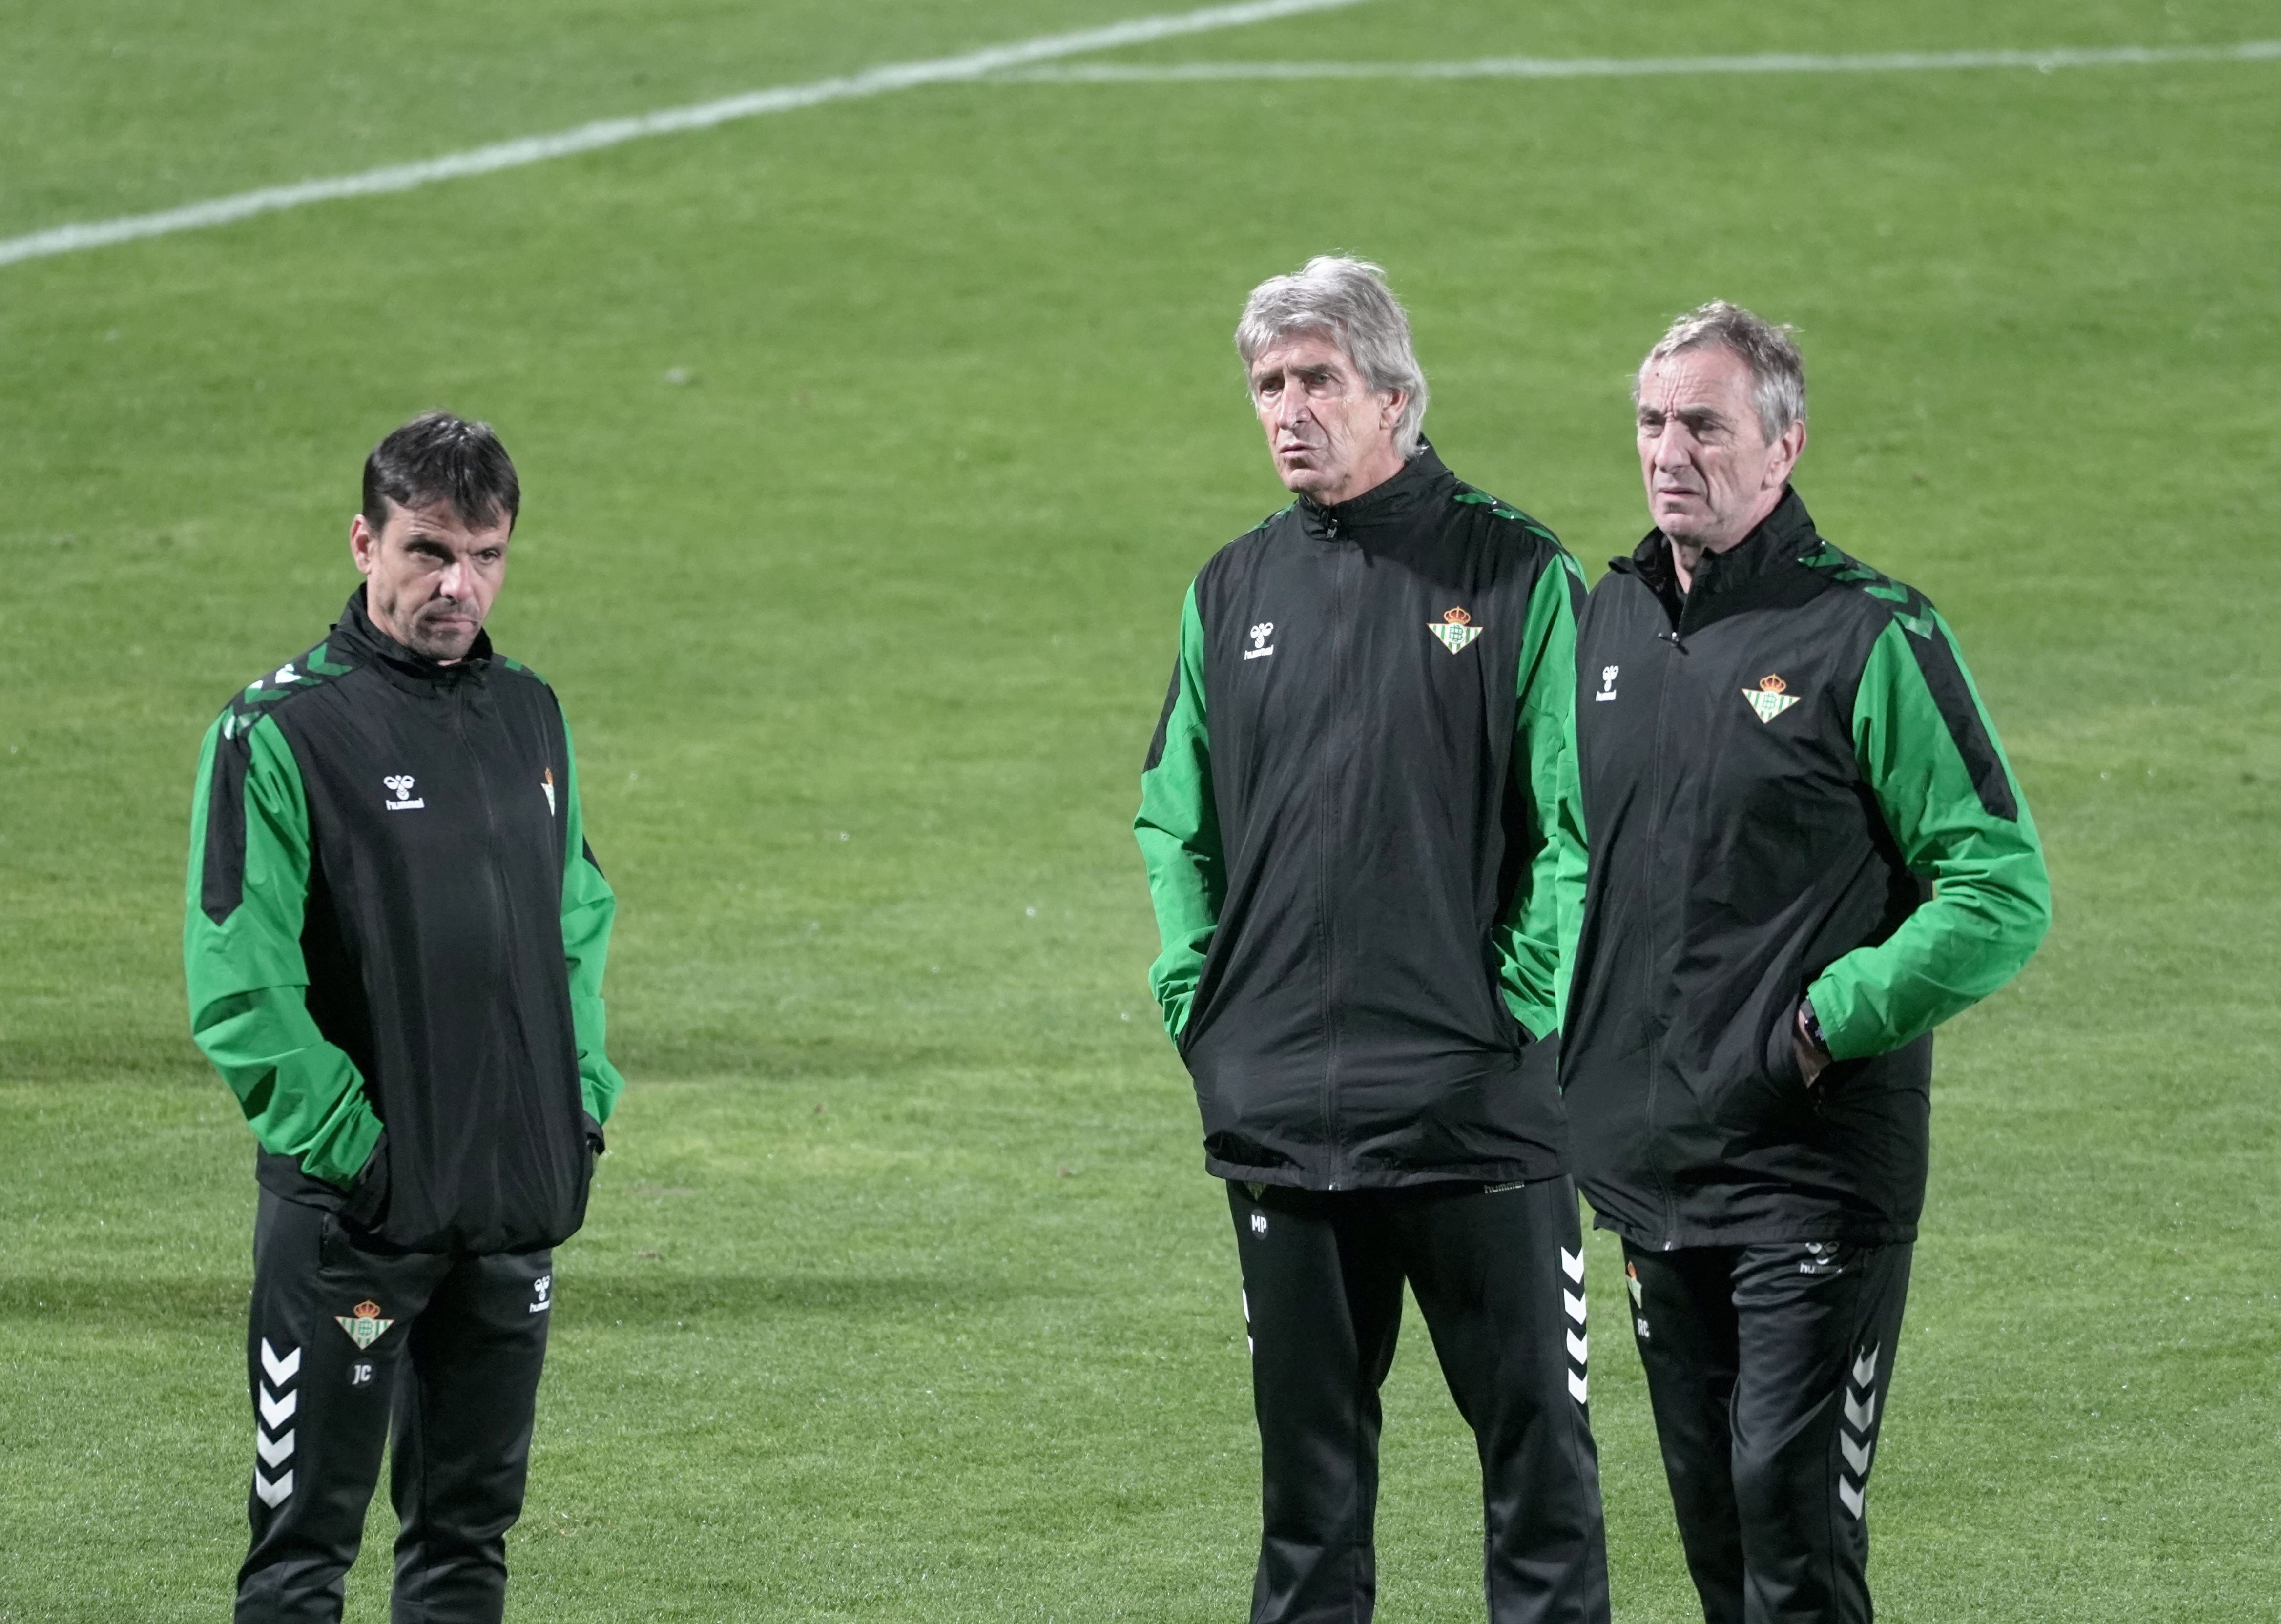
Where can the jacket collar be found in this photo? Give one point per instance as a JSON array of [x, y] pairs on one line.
[[1392, 503], [355, 638], [1782, 539]]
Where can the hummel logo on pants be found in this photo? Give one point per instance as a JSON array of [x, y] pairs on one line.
[[348, 1349], [1767, 1368]]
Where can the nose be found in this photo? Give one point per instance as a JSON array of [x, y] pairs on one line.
[[1290, 407], [453, 582], [1672, 447]]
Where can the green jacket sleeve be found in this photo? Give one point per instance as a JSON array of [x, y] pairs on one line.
[[1536, 940], [588, 907], [1928, 751], [249, 881], [1179, 831]]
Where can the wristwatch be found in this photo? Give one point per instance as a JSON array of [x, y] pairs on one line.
[[1810, 1023]]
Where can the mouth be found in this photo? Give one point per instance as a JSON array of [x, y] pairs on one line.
[[447, 631]]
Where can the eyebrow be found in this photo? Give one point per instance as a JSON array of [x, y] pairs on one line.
[[1691, 415], [1305, 375], [442, 543]]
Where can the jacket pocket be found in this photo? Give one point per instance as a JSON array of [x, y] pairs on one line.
[[1782, 1065], [1764, 1095], [366, 1208]]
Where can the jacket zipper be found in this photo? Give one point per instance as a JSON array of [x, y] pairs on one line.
[[1651, 1001], [1325, 866]]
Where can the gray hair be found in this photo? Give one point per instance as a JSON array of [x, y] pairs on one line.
[[1347, 301], [1769, 349]]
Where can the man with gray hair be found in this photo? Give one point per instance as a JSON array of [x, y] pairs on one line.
[[1807, 850], [1358, 816]]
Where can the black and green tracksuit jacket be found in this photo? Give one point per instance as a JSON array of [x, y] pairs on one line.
[[1359, 817], [1791, 791], [394, 940]]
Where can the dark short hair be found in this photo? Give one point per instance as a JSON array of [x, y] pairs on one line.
[[435, 458]]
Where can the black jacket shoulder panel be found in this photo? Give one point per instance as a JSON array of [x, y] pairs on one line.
[[1235, 555], [1536, 535], [1469, 496], [1222, 577], [514, 671], [316, 667], [1841, 568], [1943, 672], [221, 870]]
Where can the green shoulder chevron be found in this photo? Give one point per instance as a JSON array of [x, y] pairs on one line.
[[1907, 605], [313, 669], [1507, 510]]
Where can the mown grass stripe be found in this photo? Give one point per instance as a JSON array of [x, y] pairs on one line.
[[672, 120]]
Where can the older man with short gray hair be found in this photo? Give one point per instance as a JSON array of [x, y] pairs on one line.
[[1359, 823], [1807, 850]]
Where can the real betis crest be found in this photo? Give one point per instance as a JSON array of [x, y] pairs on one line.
[[368, 1326], [1456, 630], [1768, 700]]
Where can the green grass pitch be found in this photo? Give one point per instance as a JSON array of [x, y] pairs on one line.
[[903, 1296]]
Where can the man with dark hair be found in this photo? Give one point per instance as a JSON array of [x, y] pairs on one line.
[[1359, 823], [394, 939], [1807, 850]]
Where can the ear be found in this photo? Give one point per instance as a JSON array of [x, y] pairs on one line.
[[1397, 402], [364, 546], [1788, 450]]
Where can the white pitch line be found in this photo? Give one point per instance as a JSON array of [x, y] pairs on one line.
[[613, 132], [1641, 67]]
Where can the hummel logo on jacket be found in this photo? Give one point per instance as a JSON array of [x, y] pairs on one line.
[[1791, 790], [392, 924], [1359, 819]]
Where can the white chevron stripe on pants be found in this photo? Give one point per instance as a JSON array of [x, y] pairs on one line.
[[275, 1409]]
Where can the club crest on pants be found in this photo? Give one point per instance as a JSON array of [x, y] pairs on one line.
[[363, 1323]]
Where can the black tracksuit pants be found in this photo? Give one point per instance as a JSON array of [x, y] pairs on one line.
[[1768, 1367], [346, 1348], [1500, 1275]]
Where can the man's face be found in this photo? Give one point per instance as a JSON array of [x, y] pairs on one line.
[[1331, 436], [430, 576], [1710, 473]]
